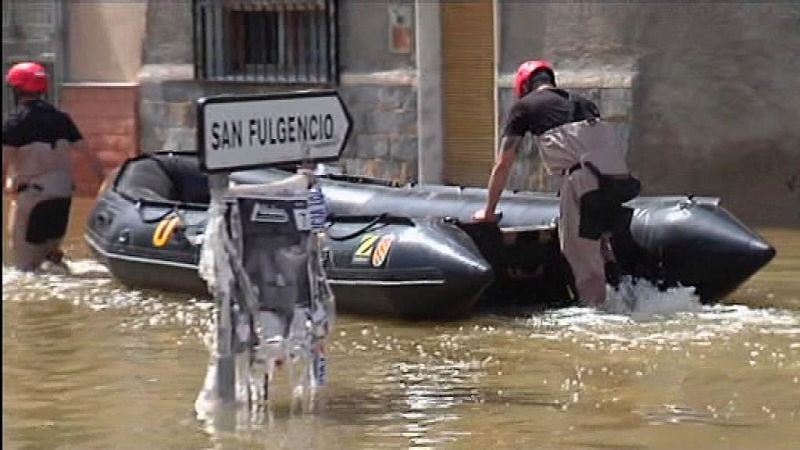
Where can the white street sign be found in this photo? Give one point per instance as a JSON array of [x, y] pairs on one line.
[[237, 132]]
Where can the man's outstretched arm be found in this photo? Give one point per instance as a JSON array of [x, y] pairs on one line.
[[499, 177]]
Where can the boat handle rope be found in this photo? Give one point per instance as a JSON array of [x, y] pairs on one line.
[[173, 210], [375, 220], [385, 218], [165, 230]]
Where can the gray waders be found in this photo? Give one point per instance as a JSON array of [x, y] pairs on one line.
[[39, 215], [565, 151]]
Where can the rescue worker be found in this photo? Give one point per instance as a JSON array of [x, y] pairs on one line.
[[578, 148], [37, 139]]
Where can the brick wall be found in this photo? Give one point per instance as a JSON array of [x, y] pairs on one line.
[[107, 116]]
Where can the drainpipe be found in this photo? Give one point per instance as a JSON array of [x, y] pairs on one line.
[[430, 157]]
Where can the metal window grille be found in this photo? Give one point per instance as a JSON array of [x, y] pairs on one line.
[[268, 41], [32, 31]]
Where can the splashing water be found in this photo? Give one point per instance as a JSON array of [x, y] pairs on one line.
[[641, 313], [642, 300]]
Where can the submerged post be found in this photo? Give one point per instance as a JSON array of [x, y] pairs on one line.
[[226, 369], [260, 252]]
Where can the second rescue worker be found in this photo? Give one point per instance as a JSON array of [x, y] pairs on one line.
[[578, 148]]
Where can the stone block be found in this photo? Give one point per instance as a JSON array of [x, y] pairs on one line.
[[350, 166], [404, 148], [389, 170], [153, 113], [153, 119], [372, 146], [413, 99], [391, 122], [150, 142], [371, 167], [351, 149], [359, 119], [360, 97], [182, 114], [397, 97], [182, 91], [180, 139], [616, 103]]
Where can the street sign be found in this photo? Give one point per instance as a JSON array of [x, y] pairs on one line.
[[236, 132]]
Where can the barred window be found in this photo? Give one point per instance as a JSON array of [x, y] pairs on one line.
[[272, 41]]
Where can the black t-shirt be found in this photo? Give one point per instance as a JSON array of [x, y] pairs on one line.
[[544, 109], [39, 122]]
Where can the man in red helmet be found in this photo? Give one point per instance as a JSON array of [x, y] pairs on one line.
[[37, 139], [581, 150]]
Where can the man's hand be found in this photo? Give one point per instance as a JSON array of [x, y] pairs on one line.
[[482, 216], [9, 189]]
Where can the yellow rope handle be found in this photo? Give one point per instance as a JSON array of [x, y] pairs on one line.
[[165, 230]]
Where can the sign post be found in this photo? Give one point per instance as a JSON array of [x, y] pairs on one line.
[[238, 132], [251, 131]]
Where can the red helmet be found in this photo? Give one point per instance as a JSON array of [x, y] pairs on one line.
[[27, 77], [527, 70]]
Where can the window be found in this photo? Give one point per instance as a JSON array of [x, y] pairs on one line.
[[274, 41]]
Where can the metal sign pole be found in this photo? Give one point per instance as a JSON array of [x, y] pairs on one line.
[[226, 362]]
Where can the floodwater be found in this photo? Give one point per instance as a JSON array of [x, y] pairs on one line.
[[89, 364]]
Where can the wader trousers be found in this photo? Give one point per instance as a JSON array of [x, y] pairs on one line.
[[586, 257], [37, 225]]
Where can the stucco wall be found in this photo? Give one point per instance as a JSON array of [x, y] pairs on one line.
[[168, 37], [364, 38], [105, 40], [716, 106], [714, 93]]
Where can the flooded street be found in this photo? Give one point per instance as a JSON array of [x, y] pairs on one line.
[[90, 364]]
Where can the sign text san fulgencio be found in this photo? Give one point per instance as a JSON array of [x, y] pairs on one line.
[[248, 131], [271, 130]]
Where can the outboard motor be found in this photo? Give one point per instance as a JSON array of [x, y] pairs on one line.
[[261, 258]]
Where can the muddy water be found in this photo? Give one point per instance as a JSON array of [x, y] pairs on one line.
[[89, 364]]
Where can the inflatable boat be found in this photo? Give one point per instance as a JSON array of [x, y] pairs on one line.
[[410, 251]]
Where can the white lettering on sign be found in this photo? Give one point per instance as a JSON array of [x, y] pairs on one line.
[[248, 131]]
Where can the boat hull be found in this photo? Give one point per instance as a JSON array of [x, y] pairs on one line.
[[434, 262]]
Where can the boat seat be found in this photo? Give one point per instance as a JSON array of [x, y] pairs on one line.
[[170, 177]]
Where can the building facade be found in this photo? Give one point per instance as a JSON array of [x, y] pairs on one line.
[[703, 95]]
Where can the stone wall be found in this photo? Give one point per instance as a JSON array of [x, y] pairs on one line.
[[384, 140], [377, 86]]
